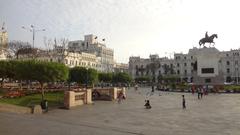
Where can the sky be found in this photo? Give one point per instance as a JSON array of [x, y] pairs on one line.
[[130, 27]]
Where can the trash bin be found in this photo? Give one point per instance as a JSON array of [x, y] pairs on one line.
[[44, 105]]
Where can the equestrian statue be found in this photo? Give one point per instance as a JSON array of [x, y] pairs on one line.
[[207, 39]]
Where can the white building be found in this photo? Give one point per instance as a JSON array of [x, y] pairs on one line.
[[120, 68], [92, 45], [70, 59], [199, 65]]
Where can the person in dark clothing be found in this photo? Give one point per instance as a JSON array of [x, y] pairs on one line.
[[152, 88], [183, 102], [147, 104], [199, 92]]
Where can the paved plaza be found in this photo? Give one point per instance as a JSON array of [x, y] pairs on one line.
[[215, 114]]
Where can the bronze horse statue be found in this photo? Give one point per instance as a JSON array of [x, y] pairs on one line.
[[208, 40]]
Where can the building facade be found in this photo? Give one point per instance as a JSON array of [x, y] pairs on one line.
[[120, 68], [198, 66], [70, 59], [92, 45]]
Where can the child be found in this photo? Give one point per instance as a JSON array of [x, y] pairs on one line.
[[183, 102], [147, 104]]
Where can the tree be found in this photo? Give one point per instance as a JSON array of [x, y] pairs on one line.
[[7, 70], [48, 72], [78, 74], [82, 75], [92, 76], [122, 78], [3, 71], [105, 77], [160, 78]]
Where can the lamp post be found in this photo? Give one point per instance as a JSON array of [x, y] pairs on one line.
[[33, 30]]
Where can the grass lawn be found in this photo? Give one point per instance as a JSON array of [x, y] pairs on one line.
[[54, 99]]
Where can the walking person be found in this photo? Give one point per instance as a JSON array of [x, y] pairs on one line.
[[152, 92], [201, 92], [136, 87], [121, 97], [192, 91], [183, 102]]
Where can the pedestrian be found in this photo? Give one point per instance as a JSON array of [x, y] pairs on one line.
[[147, 104], [136, 87], [192, 91], [183, 102], [152, 92], [121, 97], [152, 88], [201, 92], [198, 91]]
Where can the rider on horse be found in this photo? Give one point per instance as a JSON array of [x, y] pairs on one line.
[[206, 35]]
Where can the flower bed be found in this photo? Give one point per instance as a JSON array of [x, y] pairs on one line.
[[14, 94]]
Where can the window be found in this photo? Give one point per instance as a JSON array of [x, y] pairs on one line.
[[228, 63], [236, 62], [178, 72], [66, 61], [185, 72], [185, 57], [177, 64], [227, 55], [228, 70], [207, 70], [208, 80], [191, 57], [177, 57], [185, 64]]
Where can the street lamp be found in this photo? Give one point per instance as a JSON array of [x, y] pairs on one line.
[[33, 30]]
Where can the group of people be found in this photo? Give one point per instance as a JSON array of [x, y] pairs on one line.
[[200, 91]]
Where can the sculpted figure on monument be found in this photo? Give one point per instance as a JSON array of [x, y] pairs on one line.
[[207, 39]]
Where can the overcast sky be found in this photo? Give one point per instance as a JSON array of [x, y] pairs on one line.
[[130, 27]]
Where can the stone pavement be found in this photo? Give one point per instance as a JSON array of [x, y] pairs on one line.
[[215, 114]]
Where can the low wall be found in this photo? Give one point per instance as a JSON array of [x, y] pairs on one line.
[[15, 109], [108, 93], [75, 98]]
